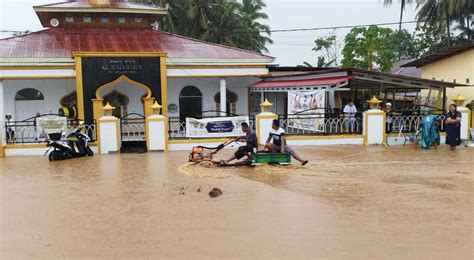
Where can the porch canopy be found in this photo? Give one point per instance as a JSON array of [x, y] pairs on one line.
[[353, 80]]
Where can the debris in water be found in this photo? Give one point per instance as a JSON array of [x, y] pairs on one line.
[[216, 192], [181, 190]]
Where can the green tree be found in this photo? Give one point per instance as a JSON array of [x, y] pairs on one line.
[[407, 45], [326, 48], [230, 22], [428, 38], [370, 48]]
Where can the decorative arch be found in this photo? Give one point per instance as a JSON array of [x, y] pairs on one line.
[[69, 100], [231, 97], [190, 103], [123, 77], [28, 94], [190, 91], [118, 100]]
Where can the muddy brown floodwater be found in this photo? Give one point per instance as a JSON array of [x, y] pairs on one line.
[[349, 202]]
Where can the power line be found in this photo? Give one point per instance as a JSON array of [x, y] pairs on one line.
[[300, 29]]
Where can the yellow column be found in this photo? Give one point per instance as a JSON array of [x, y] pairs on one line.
[[79, 91], [147, 103], [97, 108], [164, 88]]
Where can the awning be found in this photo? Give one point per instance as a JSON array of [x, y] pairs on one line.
[[303, 83]]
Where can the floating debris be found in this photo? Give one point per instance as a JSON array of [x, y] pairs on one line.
[[216, 192]]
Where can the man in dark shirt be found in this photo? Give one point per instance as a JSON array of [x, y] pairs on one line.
[[251, 144]]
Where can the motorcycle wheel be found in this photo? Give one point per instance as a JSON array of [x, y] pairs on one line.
[[56, 156], [89, 151]]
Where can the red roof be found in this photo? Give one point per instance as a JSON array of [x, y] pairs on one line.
[[114, 4], [62, 42], [300, 83]]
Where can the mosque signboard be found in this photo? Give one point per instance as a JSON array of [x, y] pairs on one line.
[[98, 71]]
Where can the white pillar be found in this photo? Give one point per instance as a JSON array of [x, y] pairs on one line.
[[264, 125], [374, 127], [465, 127], [223, 85], [109, 136], [156, 133], [332, 100]]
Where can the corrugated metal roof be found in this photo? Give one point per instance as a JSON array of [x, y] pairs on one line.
[[299, 83], [440, 55], [62, 42]]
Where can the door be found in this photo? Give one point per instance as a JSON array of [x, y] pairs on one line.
[[190, 103]]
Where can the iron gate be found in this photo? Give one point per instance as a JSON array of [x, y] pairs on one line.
[[132, 131]]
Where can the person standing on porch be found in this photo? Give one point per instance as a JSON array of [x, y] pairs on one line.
[[453, 127], [350, 111], [389, 115], [277, 135]]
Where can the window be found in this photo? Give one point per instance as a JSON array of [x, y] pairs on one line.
[[87, 19], [231, 104], [121, 20], [138, 19], [69, 19], [29, 94], [104, 19]]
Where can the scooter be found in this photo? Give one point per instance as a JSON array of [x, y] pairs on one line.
[[76, 144]]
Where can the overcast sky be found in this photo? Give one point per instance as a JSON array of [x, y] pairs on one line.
[[290, 48]]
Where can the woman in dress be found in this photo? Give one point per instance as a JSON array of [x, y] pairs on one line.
[[429, 129], [453, 127]]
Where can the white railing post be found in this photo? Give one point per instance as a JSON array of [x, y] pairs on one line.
[[374, 127], [108, 134], [465, 125], [157, 133]]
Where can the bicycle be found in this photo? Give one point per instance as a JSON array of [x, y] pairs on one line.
[[401, 137]]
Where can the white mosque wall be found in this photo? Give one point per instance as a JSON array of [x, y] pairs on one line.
[[52, 89], [209, 87]]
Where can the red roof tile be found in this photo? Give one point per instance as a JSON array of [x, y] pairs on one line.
[[62, 42]]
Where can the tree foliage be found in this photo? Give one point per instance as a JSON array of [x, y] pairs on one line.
[[230, 22], [326, 49], [370, 48]]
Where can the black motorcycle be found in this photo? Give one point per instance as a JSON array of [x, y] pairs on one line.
[[75, 145]]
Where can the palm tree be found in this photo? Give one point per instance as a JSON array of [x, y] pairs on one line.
[[230, 22], [255, 34], [403, 4], [436, 12]]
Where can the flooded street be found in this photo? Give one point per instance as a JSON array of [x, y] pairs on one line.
[[349, 202]]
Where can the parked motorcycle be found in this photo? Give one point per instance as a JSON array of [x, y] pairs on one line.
[[76, 144]]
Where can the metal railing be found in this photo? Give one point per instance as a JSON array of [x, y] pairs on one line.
[[410, 123], [132, 127], [25, 132], [329, 123]]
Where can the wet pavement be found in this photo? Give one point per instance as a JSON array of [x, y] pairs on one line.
[[349, 202]]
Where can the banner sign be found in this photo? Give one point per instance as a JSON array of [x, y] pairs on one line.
[[306, 110], [215, 127], [50, 125]]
